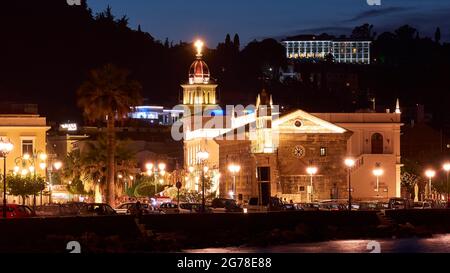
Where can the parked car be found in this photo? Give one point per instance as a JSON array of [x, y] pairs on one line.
[[57, 210], [97, 209], [399, 203], [124, 209], [169, 208], [219, 205], [310, 206], [422, 205], [17, 211], [290, 207], [369, 205], [329, 206]]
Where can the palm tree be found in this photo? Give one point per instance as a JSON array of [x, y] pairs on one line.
[[94, 161], [109, 95]]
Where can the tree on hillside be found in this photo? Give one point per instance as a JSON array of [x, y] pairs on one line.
[[109, 95]]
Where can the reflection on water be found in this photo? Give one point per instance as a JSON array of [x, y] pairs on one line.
[[436, 244]]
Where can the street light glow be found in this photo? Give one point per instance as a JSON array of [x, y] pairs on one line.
[[5, 146], [57, 165], [446, 166], [430, 173], [43, 156], [191, 169], [26, 156], [234, 168], [42, 165], [149, 166], [349, 162], [312, 170], [161, 166], [378, 172], [203, 155]]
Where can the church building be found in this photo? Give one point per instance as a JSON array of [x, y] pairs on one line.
[[294, 155]]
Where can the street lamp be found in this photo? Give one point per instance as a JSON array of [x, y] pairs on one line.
[[430, 174], [56, 165], [5, 148], [203, 156], [446, 168], [350, 163], [234, 169], [312, 171], [378, 171]]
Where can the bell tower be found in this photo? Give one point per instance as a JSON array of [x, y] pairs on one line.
[[264, 141], [200, 91]]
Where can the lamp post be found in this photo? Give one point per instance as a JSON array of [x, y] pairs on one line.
[[5, 148], [203, 156], [234, 169], [378, 171], [312, 171], [446, 168], [350, 163], [57, 165], [430, 174]]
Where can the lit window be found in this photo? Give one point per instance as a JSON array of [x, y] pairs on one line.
[[27, 146], [323, 151]]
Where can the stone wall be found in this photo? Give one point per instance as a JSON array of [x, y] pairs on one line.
[[331, 179]]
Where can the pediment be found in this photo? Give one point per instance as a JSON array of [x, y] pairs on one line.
[[303, 122]]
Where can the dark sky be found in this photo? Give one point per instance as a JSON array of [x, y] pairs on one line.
[[255, 19]]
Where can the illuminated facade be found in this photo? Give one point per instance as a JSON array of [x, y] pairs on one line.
[[156, 114], [27, 132], [342, 51], [275, 149]]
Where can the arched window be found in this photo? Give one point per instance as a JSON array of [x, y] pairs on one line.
[[377, 143]]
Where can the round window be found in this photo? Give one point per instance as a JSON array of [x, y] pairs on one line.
[[298, 123]]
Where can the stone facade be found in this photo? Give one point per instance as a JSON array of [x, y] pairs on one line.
[[288, 177]]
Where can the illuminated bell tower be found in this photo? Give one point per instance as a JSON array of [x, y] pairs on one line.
[[200, 91], [264, 141]]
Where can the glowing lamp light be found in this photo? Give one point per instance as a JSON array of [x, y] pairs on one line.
[[312, 170], [149, 166], [245, 210], [161, 166], [57, 165], [131, 177], [234, 168], [446, 166], [203, 155], [430, 173], [231, 194], [24, 172], [205, 169], [120, 176], [349, 162], [191, 169], [26, 156], [199, 46], [378, 172], [43, 157], [31, 168], [5, 146], [16, 169], [42, 165], [149, 172]]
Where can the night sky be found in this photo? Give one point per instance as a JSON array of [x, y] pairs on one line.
[[256, 19]]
